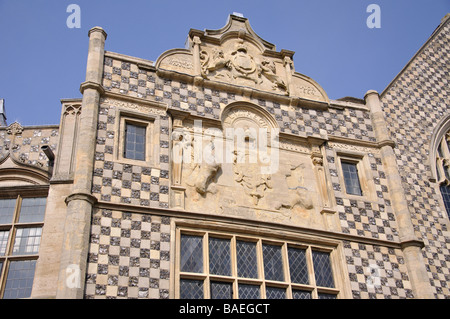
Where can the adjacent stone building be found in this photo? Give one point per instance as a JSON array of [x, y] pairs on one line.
[[218, 171]]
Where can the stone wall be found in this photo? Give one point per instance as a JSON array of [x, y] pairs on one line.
[[414, 103]]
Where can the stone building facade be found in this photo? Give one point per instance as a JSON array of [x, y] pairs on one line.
[[218, 171]]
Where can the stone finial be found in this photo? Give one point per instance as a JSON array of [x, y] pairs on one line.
[[14, 129], [2, 113]]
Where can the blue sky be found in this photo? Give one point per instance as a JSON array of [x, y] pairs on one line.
[[43, 61]]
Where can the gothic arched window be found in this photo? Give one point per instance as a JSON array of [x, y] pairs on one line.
[[441, 154]]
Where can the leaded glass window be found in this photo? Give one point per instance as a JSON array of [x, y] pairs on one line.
[[298, 265], [322, 269], [273, 262], [221, 290], [219, 256], [191, 289], [135, 142], [443, 169], [21, 222], [445, 191], [275, 293], [191, 253], [226, 266], [20, 279], [246, 259], [249, 291], [351, 178]]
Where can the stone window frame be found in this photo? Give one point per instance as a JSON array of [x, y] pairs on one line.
[[440, 159], [258, 236], [18, 194], [151, 124], [365, 176]]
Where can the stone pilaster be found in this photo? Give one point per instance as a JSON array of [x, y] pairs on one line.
[[79, 204], [411, 245]]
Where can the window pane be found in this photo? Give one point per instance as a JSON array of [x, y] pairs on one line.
[[7, 210], [275, 293], [249, 292], [32, 210], [301, 294], [322, 269], [219, 256], [221, 290], [135, 142], [247, 265], [191, 289], [445, 191], [273, 263], [297, 265], [326, 296], [3, 241], [27, 241], [191, 253], [20, 279], [351, 178]]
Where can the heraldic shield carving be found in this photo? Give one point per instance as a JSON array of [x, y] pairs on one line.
[[235, 55]]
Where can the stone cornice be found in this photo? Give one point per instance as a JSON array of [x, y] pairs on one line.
[[237, 221]]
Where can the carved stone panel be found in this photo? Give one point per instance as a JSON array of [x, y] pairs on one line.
[[269, 184], [235, 55]]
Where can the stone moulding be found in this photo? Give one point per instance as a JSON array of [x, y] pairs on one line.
[[81, 196], [235, 58], [235, 222]]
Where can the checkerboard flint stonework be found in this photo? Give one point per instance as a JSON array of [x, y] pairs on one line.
[[129, 252], [128, 256], [413, 105]]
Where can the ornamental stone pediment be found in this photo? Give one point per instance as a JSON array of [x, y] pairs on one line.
[[235, 55]]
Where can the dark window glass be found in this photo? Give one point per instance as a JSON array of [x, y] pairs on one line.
[[32, 210], [322, 269], [191, 289], [351, 178], [191, 253], [219, 256], [246, 259], [7, 210], [301, 294], [275, 293], [297, 265], [249, 292], [221, 290], [445, 191], [135, 142], [273, 262], [326, 296], [20, 279]]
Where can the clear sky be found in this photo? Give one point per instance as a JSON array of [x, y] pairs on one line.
[[43, 61]]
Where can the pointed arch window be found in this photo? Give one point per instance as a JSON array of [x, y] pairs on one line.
[[441, 155]]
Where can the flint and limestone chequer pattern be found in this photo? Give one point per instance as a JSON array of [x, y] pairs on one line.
[[118, 182], [414, 104], [377, 272], [359, 215], [126, 78], [129, 256], [26, 145]]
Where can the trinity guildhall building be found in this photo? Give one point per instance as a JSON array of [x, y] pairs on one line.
[[219, 171]]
